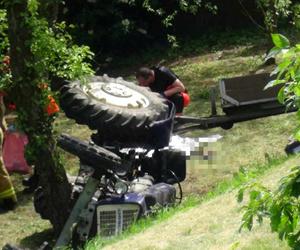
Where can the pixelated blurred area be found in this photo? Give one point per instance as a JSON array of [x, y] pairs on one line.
[[205, 155], [203, 152]]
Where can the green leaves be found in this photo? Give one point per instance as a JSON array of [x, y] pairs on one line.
[[280, 41], [287, 71], [33, 6], [169, 14], [281, 95], [273, 11], [3, 32], [5, 75], [297, 135], [55, 52], [240, 195], [273, 53], [273, 83], [281, 206]]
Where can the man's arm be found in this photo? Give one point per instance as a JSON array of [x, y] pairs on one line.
[[176, 87]]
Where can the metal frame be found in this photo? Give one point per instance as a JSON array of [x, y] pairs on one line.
[[184, 124], [232, 101], [225, 97], [239, 112]]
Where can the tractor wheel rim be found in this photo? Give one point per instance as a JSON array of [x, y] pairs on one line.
[[116, 94]]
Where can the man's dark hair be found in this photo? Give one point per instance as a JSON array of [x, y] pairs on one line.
[[143, 72]]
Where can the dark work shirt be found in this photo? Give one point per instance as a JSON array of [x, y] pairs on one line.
[[163, 79]]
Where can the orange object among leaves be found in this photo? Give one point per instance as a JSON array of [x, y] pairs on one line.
[[52, 107]]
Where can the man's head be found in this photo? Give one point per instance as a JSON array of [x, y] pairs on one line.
[[145, 76]]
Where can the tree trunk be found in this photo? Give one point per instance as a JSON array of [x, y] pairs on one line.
[[33, 119]]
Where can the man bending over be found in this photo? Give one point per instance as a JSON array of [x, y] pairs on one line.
[[165, 82]]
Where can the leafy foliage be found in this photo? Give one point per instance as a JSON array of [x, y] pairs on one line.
[[52, 48], [3, 32], [43, 49], [281, 206], [129, 23], [287, 72], [5, 75], [168, 13], [296, 15], [54, 51], [273, 10]]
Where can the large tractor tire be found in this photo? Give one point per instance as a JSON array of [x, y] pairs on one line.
[[113, 106]]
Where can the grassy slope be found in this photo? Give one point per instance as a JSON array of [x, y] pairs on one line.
[[246, 143], [210, 225], [23, 226]]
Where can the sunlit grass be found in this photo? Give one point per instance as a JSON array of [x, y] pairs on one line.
[[207, 222], [247, 144]]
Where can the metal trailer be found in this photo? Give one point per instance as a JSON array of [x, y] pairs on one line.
[[242, 99]]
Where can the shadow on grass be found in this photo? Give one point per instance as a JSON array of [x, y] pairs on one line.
[[35, 240], [24, 198]]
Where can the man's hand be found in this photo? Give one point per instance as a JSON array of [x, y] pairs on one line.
[[176, 87]]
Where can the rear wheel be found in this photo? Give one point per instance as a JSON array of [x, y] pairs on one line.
[[113, 106], [227, 125]]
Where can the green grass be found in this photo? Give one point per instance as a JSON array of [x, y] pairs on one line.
[[212, 223], [199, 44], [200, 74], [199, 63], [239, 179]]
